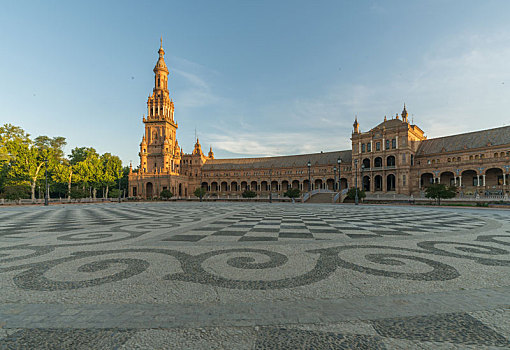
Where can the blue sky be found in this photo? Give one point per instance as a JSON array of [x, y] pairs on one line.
[[255, 78]]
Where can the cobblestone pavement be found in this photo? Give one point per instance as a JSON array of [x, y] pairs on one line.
[[253, 276]]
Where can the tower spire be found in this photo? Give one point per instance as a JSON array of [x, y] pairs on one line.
[[404, 114], [161, 41], [356, 125]]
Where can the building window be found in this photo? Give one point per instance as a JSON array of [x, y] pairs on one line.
[[387, 144], [412, 159], [369, 147], [377, 146], [394, 143], [403, 180], [362, 147], [403, 158]]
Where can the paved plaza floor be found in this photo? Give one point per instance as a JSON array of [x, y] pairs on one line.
[[166, 275]]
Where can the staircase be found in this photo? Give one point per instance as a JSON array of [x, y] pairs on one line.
[[322, 198]]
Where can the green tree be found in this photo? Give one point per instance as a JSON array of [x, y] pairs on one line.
[[440, 191], [166, 194], [88, 168], [16, 192], [112, 170], [351, 194], [249, 194], [292, 193], [78, 193], [63, 174], [79, 154], [200, 192]]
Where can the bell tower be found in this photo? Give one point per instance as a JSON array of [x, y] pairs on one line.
[[159, 149]]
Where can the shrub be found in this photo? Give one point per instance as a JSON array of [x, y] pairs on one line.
[[16, 192], [351, 194], [249, 194], [292, 193], [166, 194], [199, 192], [440, 191], [78, 193]]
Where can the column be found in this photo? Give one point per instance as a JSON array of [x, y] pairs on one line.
[[477, 180], [483, 180], [438, 180], [504, 179], [460, 181]]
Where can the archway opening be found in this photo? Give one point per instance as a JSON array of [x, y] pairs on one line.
[[366, 183], [378, 183], [426, 180], [447, 178], [149, 190], [390, 182]]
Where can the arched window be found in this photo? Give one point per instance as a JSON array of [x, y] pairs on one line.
[[390, 161]]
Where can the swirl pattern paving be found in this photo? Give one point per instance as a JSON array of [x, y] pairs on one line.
[[245, 255]]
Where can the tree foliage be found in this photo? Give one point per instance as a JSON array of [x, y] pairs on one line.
[[24, 161], [249, 194], [440, 191], [16, 192], [166, 194], [292, 193], [200, 192], [351, 194]]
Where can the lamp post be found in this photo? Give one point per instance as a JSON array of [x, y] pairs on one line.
[[334, 183], [46, 187], [356, 200], [362, 179], [270, 180], [309, 176], [119, 186], [339, 162]]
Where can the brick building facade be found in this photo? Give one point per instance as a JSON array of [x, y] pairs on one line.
[[394, 157]]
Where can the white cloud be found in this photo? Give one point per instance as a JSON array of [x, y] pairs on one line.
[[462, 84]]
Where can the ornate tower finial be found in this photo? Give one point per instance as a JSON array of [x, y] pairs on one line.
[[404, 114], [161, 41], [211, 154], [356, 125]]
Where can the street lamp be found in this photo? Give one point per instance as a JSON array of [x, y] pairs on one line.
[[46, 187], [334, 183], [339, 162], [362, 179], [270, 181], [119, 186], [356, 200], [309, 177]]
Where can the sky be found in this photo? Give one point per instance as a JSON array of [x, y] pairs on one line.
[[253, 78]]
